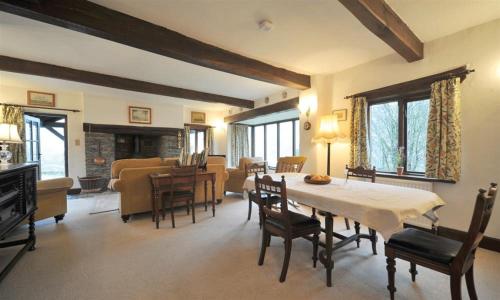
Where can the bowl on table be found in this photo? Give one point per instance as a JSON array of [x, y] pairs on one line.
[[317, 179]]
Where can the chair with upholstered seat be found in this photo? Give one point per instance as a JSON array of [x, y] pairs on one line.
[[268, 200], [290, 164], [442, 254], [284, 223]]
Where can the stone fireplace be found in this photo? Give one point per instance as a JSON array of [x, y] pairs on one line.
[[121, 142]]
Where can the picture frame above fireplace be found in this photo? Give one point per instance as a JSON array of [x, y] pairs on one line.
[[198, 117], [140, 115]]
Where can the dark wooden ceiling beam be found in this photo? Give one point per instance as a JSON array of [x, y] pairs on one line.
[[127, 129], [263, 110], [380, 19], [93, 19], [17, 65]]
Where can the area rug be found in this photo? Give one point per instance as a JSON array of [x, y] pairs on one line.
[[105, 202]]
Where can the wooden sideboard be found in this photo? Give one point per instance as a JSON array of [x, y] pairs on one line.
[[17, 203]]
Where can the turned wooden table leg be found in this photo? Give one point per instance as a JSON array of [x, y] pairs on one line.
[[213, 195], [206, 196], [328, 248]]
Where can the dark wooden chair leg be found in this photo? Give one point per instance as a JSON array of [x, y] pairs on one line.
[[413, 271], [456, 287], [314, 213], [315, 249], [469, 280], [357, 229], [192, 208], [163, 208], [347, 225], [172, 213], [391, 270], [263, 246], [286, 260], [206, 196], [249, 208], [187, 207], [373, 239], [261, 216]]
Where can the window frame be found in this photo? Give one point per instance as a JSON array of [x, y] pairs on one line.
[[294, 142], [402, 101], [196, 131]]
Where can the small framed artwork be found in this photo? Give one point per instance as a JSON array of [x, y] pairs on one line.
[[198, 117], [341, 114], [140, 115], [41, 99]]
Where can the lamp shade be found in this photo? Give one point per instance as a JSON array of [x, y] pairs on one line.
[[9, 134], [328, 130]]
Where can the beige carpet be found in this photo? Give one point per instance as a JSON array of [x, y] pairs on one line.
[[99, 257]]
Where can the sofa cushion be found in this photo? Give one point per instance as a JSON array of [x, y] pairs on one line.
[[248, 160], [118, 165]]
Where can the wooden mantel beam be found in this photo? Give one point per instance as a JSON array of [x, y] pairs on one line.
[[16, 65], [380, 19], [93, 19]]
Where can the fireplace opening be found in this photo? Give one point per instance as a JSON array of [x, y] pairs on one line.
[[136, 146]]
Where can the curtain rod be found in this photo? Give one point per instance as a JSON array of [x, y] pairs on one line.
[[43, 107], [463, 71]]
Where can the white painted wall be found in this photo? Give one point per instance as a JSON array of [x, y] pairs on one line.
[[64, 99], [479, 47]]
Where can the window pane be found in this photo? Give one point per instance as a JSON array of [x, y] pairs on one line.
[[192, 141], [259, 141], [297, 137], [249, 141], [286, 139], [271, 144], [384, 136], [417, 114], [201, 141]]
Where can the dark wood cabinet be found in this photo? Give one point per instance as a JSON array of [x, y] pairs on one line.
[[17, 204]]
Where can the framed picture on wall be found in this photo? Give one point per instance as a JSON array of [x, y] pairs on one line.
[[140, 115], [198, 117], [340, 113], [41, 99]]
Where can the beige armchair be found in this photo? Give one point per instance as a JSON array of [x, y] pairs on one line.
[[51, 198], [238, 175]]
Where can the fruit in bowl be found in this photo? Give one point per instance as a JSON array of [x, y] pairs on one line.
[[317, 178]]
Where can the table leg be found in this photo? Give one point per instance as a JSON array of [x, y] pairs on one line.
[[327, 259], [206, 197], [213, 195], [153, 199], [155, 207], [32, 235]]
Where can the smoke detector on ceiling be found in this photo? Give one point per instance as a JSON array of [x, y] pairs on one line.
[[266, 25]]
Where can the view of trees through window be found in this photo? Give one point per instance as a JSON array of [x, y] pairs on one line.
[[385, 138]]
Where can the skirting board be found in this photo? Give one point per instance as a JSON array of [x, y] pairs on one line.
[[488, 243]]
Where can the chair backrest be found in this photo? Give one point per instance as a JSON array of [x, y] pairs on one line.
[[480, 218], [257, 167], [290, 164], [268, 186], [361, 172], [183, 179]]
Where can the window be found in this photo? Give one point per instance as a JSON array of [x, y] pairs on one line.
[[196, 141], [398, 123], [273, 140]]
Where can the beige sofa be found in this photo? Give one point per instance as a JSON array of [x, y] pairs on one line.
[[238, 175], [51, 198], [130, 177]]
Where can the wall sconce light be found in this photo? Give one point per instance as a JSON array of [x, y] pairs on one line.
[[305, 108]]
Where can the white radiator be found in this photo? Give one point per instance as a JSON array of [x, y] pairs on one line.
[[422, 185]]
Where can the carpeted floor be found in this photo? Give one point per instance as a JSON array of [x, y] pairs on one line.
[[99, 257]]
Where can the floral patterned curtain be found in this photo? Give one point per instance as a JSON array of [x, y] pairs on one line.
[[186, 148], [359, 149], [444, 131], [239, 143], [15, 115], [210, 140]]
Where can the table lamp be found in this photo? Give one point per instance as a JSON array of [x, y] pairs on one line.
[[8, 135], [328, 133]]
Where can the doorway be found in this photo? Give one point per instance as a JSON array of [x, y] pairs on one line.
[[47, 143]]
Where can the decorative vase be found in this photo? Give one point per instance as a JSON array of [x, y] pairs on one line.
[[400, 170]]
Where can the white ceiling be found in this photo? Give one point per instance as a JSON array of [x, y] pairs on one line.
[[309, 36]]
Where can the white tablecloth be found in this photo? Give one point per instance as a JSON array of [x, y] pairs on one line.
[[379, 206]]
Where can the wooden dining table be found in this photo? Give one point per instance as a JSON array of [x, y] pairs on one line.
[[160, 184], [380, 207]]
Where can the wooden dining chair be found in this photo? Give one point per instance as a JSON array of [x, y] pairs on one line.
[[250, 170], [182, 189], [371, 174], [290, 164], [284, 223], [442, 254]]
